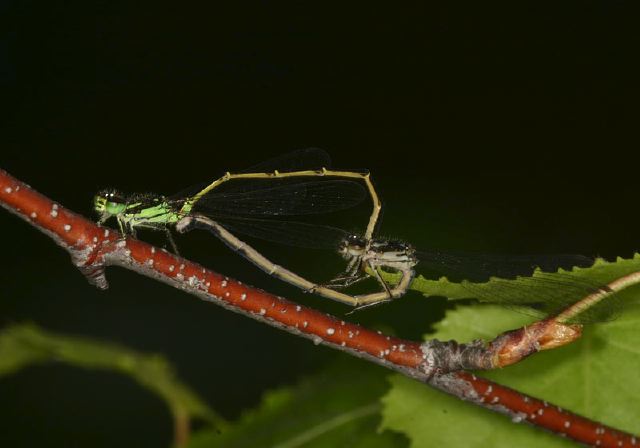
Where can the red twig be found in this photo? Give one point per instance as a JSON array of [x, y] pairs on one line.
[[92, 248]]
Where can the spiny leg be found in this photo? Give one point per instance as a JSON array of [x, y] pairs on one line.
[[166, 230], [360, 307], [351, 271], [353, 265], [380, 279], [171, 241], [366, 300], [350, 276], [371, 300], [132, 231], [344, 281], [122, 227]]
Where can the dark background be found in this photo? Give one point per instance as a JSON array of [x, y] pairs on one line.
[[510, 128]]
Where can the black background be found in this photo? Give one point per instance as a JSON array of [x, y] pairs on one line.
[[507, 128]]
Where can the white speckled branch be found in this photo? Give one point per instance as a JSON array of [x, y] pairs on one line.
[[92, 248]]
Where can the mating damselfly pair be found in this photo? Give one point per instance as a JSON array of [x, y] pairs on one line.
[[253, 202]]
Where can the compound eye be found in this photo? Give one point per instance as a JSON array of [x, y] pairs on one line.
[[356, 242], [116, 199], [113, 197]]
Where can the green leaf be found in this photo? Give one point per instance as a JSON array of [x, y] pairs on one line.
[[597, 377], [338, 407], [24, 345]]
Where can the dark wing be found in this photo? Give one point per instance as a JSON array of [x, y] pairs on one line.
[[270, 197], [540, 287], [481, 267]]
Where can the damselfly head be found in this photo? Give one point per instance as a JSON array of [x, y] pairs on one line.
[[352, 246], [108, 203]]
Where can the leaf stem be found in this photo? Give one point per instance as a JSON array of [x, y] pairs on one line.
[[592, 299]]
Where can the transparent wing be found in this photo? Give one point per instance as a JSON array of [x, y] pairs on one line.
[[288, 196], [481, 267], [521, 281], [290, 233], [273, 198]]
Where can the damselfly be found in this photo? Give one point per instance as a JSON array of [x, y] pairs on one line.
[[361, 253], [541, 291]]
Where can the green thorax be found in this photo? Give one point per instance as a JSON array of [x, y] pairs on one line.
[[159, 213]]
